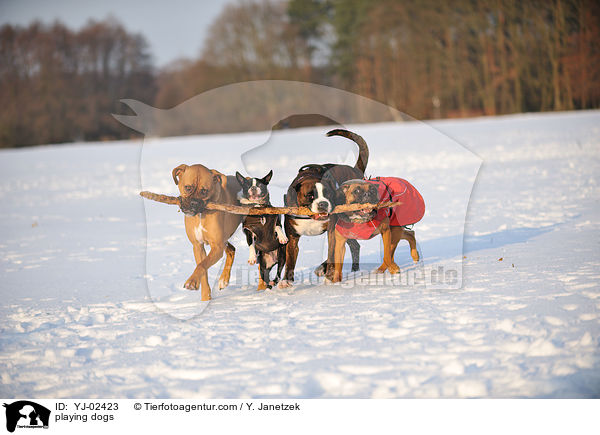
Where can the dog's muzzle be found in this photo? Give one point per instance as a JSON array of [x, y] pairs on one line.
[[192, 206], [322, 209], [361, 216]]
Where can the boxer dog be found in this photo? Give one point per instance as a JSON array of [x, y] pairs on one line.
[[197, 186], [315, 187], [263, 232], [390, 223]]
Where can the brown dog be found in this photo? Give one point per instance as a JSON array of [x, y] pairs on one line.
[[390, 223], [199, 185]]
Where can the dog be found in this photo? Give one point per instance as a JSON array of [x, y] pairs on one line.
[[391, 223], [315, 187], [263, 232], [197, 186]]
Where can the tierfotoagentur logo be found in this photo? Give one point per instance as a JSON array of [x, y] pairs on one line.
[[25, 414]]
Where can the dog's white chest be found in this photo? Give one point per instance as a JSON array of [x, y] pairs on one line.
[[199, 232], [309, 227]]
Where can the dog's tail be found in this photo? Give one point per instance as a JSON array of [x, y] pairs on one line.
[[363, 149]]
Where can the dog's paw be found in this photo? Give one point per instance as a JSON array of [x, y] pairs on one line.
[[320, 271], [281, 237], [261, 286], [382, 268], [333, 278], [284, 283], [223, 282], [192, 283], [394, 268], [415, 255], [252, 260], [355, 267]]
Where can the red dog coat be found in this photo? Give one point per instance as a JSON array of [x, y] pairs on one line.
[[394, 189]]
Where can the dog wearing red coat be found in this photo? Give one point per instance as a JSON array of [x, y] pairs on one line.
[[391, 223]]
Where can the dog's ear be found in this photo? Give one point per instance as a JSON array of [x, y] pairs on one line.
[[340, 194], [219, 178], [178, 171], [290, 199], [267, 178], [241, 179]]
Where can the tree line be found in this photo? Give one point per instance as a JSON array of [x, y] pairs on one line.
[[427, 58], [59, 85]]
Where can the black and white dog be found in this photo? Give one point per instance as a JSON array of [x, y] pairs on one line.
[[264, 234], [315, 187]]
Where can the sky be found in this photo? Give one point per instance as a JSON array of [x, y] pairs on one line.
[[173, 28]]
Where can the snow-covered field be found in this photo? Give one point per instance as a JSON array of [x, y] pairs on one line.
[[90, 276]]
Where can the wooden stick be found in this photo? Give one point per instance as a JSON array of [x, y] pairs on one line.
[[165, 199], [345, 208], [244, 210]]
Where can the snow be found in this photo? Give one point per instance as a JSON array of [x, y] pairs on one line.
[[91, 276]]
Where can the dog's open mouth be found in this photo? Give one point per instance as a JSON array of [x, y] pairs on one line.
[[320, 216], [361, 216], [253, 199], [364, 213], [257, 198]]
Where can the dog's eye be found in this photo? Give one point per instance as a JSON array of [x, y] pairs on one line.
[[188, 188], [357, 191], [203, 191]]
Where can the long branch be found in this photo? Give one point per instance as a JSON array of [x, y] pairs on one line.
[[244, 210]]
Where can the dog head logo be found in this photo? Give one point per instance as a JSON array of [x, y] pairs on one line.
[[411, 150], [26, 414]]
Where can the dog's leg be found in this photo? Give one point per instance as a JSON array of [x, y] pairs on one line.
[[252, 255], [280, 263], [280, 235], [327, 267], [397, 235], [291, 254], [226, 274], [199, 252], [388, 262], [355, 251], [262, 284], [251, 247], [199, 256], [199, 277], [340, 252], [400, 233], [267, 278], [412, 242]]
